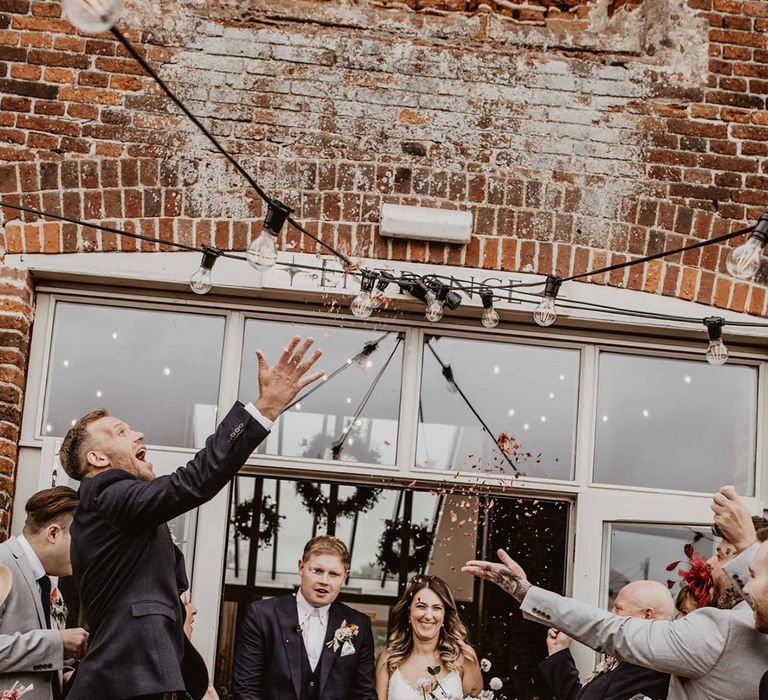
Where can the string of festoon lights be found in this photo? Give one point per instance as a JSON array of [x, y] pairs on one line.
[[438, 293]]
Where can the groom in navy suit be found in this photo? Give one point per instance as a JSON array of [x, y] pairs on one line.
[[307, 646]]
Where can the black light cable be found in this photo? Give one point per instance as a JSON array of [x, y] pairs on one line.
[[448, 374]]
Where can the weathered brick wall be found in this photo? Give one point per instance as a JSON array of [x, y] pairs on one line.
[[15, 321], [578, 133]]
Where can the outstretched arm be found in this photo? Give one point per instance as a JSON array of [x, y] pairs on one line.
[[657, 644], [126, 501]]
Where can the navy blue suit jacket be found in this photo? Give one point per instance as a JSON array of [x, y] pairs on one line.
[[129, 573], [269, 655], [625, 681]]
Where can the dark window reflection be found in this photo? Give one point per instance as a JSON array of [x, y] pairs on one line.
[[157, 370], [353, 415], [675, 424], [527, 395], [444, 527]]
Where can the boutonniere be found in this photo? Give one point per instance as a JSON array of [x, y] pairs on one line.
[[342, 639], [16, 691], [59, 610]]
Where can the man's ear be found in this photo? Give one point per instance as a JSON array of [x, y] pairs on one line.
[[52, 532], [649, 614], [97, 460], [301, 566]]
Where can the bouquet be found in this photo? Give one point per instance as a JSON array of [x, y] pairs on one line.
[[16, 691]]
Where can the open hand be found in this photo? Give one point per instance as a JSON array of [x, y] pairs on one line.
[[508, 575], [279, 384], [733, 519]]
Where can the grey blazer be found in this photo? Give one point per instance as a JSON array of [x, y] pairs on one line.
[[29, 653], [712, 654]]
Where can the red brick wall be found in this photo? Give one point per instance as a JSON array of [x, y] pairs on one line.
[[15, 322], [577, 133]]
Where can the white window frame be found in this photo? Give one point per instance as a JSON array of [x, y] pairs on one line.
[[595, 504]]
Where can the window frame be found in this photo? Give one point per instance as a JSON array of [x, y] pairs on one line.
[[593, 504]]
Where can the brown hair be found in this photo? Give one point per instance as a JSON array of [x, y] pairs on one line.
[[757, 521], [762, 534], [76, 444], [325, 544], [50, 506], [452, 644]]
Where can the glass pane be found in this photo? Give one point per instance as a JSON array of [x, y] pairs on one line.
[[527, 395], [642, 552], [675, 424], [357, 408], [157, 370]]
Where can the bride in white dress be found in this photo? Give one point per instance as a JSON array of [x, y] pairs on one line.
[[427, 654]]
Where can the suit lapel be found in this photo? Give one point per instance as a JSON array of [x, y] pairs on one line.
[[288, 619], [328, 657], [26, 573]]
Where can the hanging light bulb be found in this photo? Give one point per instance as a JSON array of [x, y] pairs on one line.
[[717, 353], [93, 16], [262, 252], [378, 296], [448, 374], [200, 282], [744, 260], [436, 304], [546, 313], [361, 305], [363, 358], [490, 317]]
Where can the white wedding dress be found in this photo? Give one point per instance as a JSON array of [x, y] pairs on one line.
[[401, 689]]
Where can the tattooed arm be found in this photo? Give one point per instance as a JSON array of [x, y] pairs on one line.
[[509, 575]]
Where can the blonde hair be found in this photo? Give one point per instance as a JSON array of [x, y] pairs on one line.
[[452, 645], [325, 544]]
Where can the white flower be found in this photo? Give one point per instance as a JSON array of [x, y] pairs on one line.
[[486, 695], [495, 683], [485, 665], [422, 684]]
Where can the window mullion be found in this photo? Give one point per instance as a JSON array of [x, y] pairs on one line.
[[410, 391]]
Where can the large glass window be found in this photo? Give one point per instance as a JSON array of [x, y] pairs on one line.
[[527, 396], [353, 415], [444, 528], [641, 552], [675, 424], [157, 370]]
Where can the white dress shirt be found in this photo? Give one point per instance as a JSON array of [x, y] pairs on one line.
[[251, 408], [38, 571], [314, 623]]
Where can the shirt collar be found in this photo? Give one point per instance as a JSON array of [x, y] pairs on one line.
[[34, 562], [305, 609]]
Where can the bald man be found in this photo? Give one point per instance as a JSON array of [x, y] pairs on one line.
[[710, 654], [613, 679]]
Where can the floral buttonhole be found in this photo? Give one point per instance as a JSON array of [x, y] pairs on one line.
[[342, 639]]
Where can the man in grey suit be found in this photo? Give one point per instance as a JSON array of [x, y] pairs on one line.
[[711, 654], [32, 650]]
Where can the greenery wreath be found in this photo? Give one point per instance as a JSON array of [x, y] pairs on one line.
[[270, 520], [388, 556], [362, 500]]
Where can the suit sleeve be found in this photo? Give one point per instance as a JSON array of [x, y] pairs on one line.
[[364, 683], [738, 568], [689, 647], [248, 666], [562, 676], [34, 651], [125, 500]]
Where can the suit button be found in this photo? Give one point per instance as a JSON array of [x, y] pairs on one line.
[[311, 684]]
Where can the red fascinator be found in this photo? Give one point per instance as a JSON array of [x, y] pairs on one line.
[[697, 577]]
